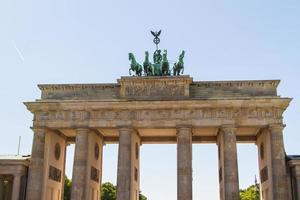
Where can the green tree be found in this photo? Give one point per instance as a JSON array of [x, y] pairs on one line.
[[251, 193], [67, 189], [108, 191], [142, 197]]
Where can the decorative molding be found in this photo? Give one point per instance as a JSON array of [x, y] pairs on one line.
[[247, 83], [95, 174], [154, 90], [64, 87], [155, 87], [228, 128], [276, 128], [183, 114], [164, 87], [55, 174]]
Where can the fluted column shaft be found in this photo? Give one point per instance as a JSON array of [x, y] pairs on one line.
[[128, 180], [298, 186], [87, 167], [35, 181], [124, 165], [228, 165], [16, 187], [80, 165], [278, 163], [184, 164]]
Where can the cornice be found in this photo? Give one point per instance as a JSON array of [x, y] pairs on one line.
[[281, 103], [54, 87], [239, 83]]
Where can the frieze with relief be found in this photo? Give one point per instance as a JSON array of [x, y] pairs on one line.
[[154, 90], [204, 113]]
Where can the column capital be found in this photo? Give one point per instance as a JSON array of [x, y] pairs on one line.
[[125, 128], [294, 163], [184, 127], [36, 129], [228, 128], [82, 129], [276, 127], [18, 174]]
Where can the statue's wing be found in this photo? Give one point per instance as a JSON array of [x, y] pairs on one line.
[[152, 32], [159, 32]]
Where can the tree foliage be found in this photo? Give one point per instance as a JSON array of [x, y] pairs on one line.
[[108, 191], [67, 188], [251, 193], [142, 197]]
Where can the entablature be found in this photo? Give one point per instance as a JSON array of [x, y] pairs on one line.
[[160, 88], [163, 114]]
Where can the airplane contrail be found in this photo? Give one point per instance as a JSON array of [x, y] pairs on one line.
[[18, 51]]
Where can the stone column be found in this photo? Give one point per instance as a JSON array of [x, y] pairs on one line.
[[278, 163], [87, 165], [228, 165], [297, 182], [294, 166], [64, 170], [184, 164], [80, 165], [35, 181], [128, 165], [16, 187]]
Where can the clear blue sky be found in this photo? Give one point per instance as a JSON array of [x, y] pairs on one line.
[[63, 41]]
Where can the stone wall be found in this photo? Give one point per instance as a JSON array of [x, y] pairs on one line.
[[160, 88]]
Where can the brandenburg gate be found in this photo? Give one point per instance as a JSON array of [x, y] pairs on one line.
[[155, 109]]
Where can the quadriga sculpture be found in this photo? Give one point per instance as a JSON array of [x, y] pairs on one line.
[[179, 65], [157, 57], [165, 65], [148, 68], [135, 66]]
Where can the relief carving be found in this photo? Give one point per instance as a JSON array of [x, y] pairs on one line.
[[154, 90], [264, 174], [95, 174], [80, 115], [203, 113], [54, 174]]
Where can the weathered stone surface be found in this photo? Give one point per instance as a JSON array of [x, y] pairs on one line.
[[155, 108], [278, 163], [272, 163], [87, 167], [227, 89], [160, 88], [36, 176], [128, 165], [14, 168], [294, 165], [155, 88], [16, 188], [79, 178], [142, 114], [184, 164], [228, 165], [79, 91]]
